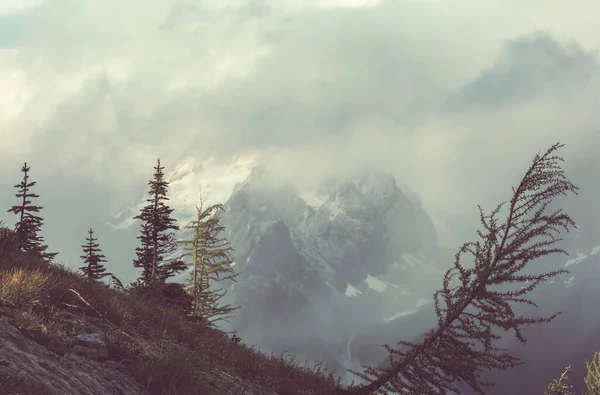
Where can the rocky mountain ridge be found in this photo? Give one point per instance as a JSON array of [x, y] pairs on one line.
[[335, 241]]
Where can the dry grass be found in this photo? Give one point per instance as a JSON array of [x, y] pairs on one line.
[[37, 290]]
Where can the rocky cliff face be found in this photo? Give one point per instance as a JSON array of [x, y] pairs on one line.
[[322, 264], [74, 364]]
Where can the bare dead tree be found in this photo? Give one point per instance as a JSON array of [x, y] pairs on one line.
[[470, 305]]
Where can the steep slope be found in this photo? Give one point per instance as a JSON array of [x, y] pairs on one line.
[[317, 266], [71, 372], [83, 362], [63, 333]]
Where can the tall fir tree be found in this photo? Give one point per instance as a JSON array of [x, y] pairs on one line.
[[157, 236], [29, 225], [93, 259], [210, 261]]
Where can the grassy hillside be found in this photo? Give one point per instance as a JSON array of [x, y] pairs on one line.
[[156, 345]]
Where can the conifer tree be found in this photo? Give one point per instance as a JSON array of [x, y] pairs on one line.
[[93, 259], [592, 378], [473, 303], [29, 225], [157, 238], [211, 262]]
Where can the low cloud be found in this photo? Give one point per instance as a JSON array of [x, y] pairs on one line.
[[454, 99], [530, 68]]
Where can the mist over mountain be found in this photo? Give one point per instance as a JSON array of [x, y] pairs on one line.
[[318, 265], [351, 106], [334, 272], [310, 261]]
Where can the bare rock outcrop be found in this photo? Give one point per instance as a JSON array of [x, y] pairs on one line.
[[77, 361], [70, 373]]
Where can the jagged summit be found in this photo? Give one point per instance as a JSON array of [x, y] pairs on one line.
[[349, 228]]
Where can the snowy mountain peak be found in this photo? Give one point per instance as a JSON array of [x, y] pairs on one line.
[[344, 236], [344, 198]]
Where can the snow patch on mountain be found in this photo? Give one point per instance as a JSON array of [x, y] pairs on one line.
[[421, 302], [351, 291], [579, 258], [375, 284], [312, 199]]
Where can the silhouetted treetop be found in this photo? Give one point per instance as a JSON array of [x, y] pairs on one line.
[[157, 238], [29, 224]]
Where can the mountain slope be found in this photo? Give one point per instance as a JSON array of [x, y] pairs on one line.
[[63, 333], [317, 266]]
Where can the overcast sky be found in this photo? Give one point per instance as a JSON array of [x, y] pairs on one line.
[[452, 96]]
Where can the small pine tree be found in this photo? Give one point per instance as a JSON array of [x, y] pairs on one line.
[[29, 224], [94, 269], [156, 236], [211, 261]]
